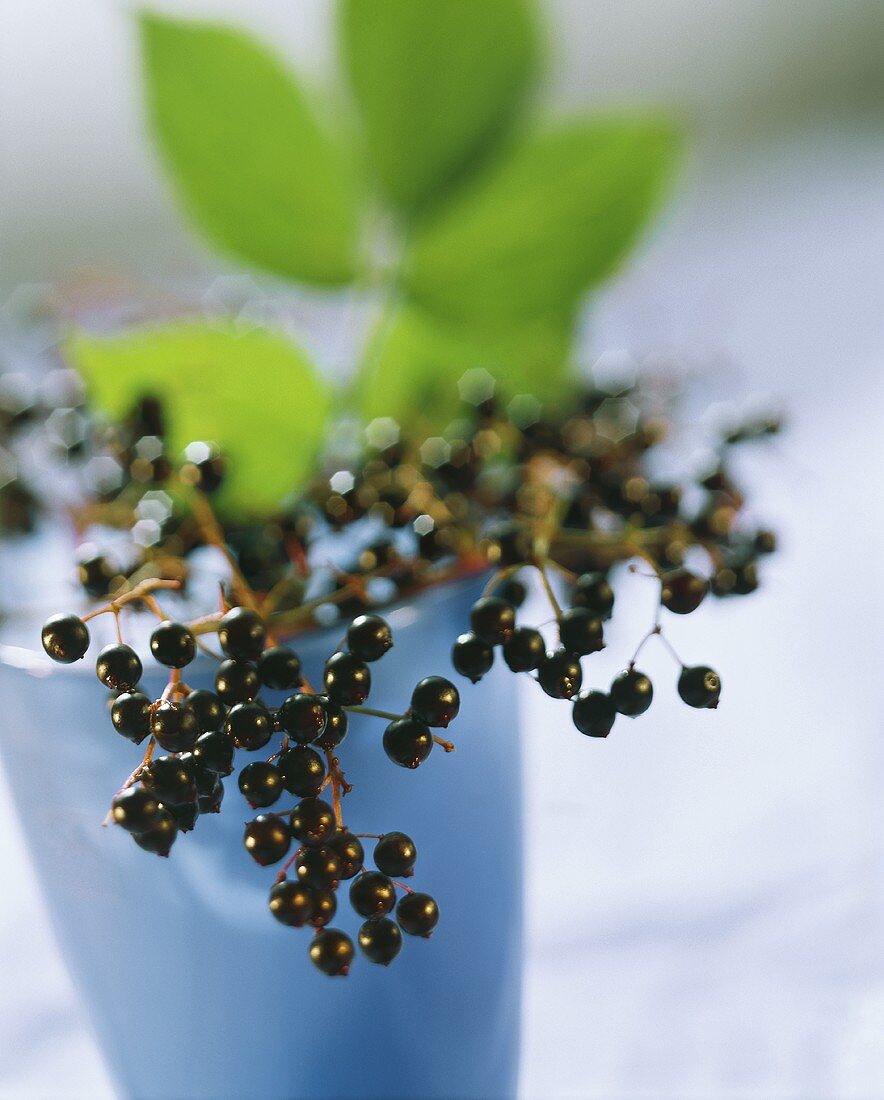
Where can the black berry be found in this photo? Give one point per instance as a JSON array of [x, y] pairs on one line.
[[208, 708], [160, 837], [435, 701], [593, 592], [372, 894], [173, 645], [580, 631], [291, 903], [395, 855], [302, 770], [335, 725], [332, 952], [241, 634], [318, 868], [174, 727], [493, 619], [347, 679], [369, 637], [65, 638], [472, 657], [417, 914], [349, 851], [631, 693], [408, 742], [380, 940], [325, 905], [683, 591], [303, 717], [248, 726], [594, 714], [118, 667], [237, 681], [312, 821], [130, 715], [267, 839], [525, 649], [279, 668], [136, 809], [559, 674], [214, 752], [700, 686], [171, 780], [261, 783]]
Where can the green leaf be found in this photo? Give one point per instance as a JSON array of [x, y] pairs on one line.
[[414, 363], [255, 169], [436, 82], [543, 224], [251, 391]]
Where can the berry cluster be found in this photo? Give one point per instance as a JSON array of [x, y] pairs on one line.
[[200, 731], [580, 632], [566, 496]]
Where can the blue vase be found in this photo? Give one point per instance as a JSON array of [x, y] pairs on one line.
[[193, 989]]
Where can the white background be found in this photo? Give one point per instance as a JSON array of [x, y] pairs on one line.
[[704, 890]]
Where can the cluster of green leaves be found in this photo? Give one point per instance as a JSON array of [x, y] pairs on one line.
[[504, 219]]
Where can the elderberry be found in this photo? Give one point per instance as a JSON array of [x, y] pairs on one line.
[[580, 631], [525, 649], [291, 903], [160, 837], [312, 821], [700, 687], [332, 952], [208, 708], [417, 914], [130, 715], [631, 693], [214, 752], [171, 780], [380, 940], [335, 725], [248, 726], [174, 727], [347, 679], [493, 619], [318, 868], [65, 638], [325, 905], [594, 713], [593, 591], [395, 855], [118, 667], [302, 770], [369, 637], [267, 839], [279, 668], [241, 634], [261, 783], [303, 717], [471, 656], [408, 742], [559, 674], [372, 894], [683, 591], [136, 809], [350, 853], [435, 701], [237, 682], [172, 645]]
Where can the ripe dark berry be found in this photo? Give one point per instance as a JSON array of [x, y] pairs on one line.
[[525, 649], [683, 591], [514, 592], [313, 822], [65, 638], [136, 809], [302, 770], [594, 714], [261, 783], [291, 903], [335, 725], [214, 752], [237, 682], [380, 940], [174, 726], [417, 914], [369, 637], [96, 574], [580, 631], [173, 645], [267, 839], [208, 708], [185, 815], [395, 855], [510, 543], [593, 592], [118, 667], [372, 894], [332, 952], [559, 674], [160, 837], [171, 780], [303, 717], [241, 634], [349, 851], [210, 799], [325, 905], [279, 668], [493, 619], [130, 715], [631, 693], [700, 686], [408, 742], [435, 701], [249, 727], [347, 679], [472, 657], [319, 868]]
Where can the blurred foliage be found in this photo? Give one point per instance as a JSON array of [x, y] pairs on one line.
[[251, 389], [502, 220]]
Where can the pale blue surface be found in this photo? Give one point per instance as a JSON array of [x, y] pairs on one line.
[[194, 990]]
